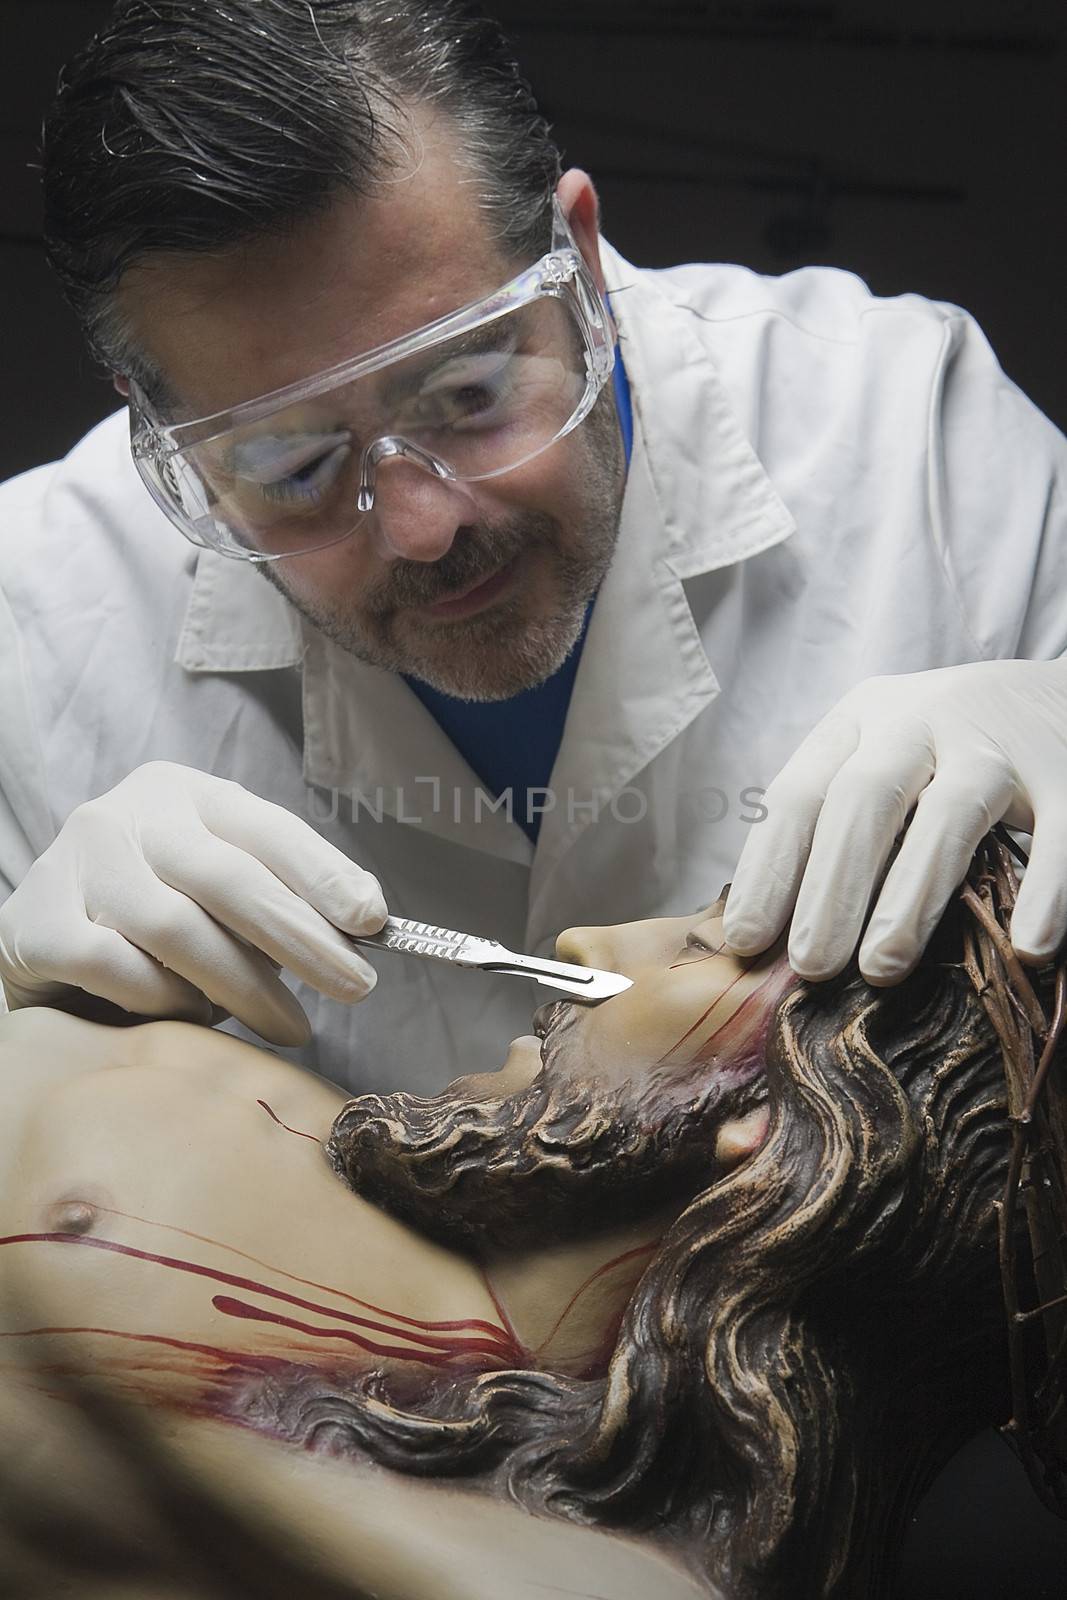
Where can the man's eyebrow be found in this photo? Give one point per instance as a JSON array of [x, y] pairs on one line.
[[493, 336]]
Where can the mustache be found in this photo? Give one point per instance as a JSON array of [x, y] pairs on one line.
[[551, 1021], [477, 553]]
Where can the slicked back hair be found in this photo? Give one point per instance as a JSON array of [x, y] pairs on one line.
[[189, 126]]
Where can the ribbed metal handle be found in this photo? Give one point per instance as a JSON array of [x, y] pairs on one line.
[[419, 939], [468, 950]]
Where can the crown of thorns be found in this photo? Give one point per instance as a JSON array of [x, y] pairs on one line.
[[1035, 1193]]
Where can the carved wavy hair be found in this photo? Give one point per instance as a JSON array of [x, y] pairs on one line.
[[817, 1333]]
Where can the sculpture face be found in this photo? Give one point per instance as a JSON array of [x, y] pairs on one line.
[[615, 1112], [692, 1005]]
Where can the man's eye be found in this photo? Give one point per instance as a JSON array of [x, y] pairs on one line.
[[460, 404], [693, 941], [468, 393], [309, 484]]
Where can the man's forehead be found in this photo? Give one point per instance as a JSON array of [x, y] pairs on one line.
[[232, 326]]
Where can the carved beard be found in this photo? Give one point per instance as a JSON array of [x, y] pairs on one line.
[[565, 1157]]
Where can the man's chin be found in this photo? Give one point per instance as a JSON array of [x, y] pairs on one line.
[[488, 658], [514, 645]]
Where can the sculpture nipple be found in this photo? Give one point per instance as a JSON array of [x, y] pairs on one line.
[[72, 1216]]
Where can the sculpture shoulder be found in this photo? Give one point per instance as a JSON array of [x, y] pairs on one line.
[[355, 1528], [43, 1052]]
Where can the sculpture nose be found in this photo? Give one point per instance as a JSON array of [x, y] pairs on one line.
[[585, 947]]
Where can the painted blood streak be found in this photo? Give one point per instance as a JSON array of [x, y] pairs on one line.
[[641, 1252], [240, 1308], [239, 1360], [326, 1288], [435, 1343], [300, 1135]]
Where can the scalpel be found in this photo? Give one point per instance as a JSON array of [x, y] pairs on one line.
[[467, 950]]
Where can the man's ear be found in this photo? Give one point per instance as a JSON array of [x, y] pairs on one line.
[[579, 203], [121, 384]]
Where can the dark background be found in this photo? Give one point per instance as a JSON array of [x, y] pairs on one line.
[[919, 143]]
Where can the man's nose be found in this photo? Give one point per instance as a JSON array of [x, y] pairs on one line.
[[415, 516]]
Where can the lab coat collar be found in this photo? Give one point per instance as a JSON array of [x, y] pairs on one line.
[[236, 622], [643, 677], [717, 504], [366, 736]]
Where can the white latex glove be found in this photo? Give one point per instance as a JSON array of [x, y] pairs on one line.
[[178, 894], [967, 747]]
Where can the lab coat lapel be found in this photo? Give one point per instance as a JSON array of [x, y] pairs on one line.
[[235, 621], [645, 673], [643, 677], [368, 740], [714, 503], [367, 735]]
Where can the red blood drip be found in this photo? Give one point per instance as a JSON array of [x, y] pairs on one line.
[[285, 1125], [446, 1351], [608, 1266], [498, 1340]]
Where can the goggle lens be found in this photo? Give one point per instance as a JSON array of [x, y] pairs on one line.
[[479, 404]]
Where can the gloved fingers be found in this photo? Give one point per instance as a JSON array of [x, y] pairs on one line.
[[323, 876], [179, 935], [102, 963], [953, 815], [1039, 921], [773, 861], [865, 808], [241, 894]]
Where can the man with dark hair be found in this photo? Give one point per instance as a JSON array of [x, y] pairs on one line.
[[564, 559]]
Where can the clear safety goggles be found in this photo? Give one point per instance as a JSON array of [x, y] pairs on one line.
[[470, 396]]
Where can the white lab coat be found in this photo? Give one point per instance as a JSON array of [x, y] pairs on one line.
[[824, 485]]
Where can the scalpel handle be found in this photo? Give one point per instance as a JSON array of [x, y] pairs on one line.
[[419, 939]]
